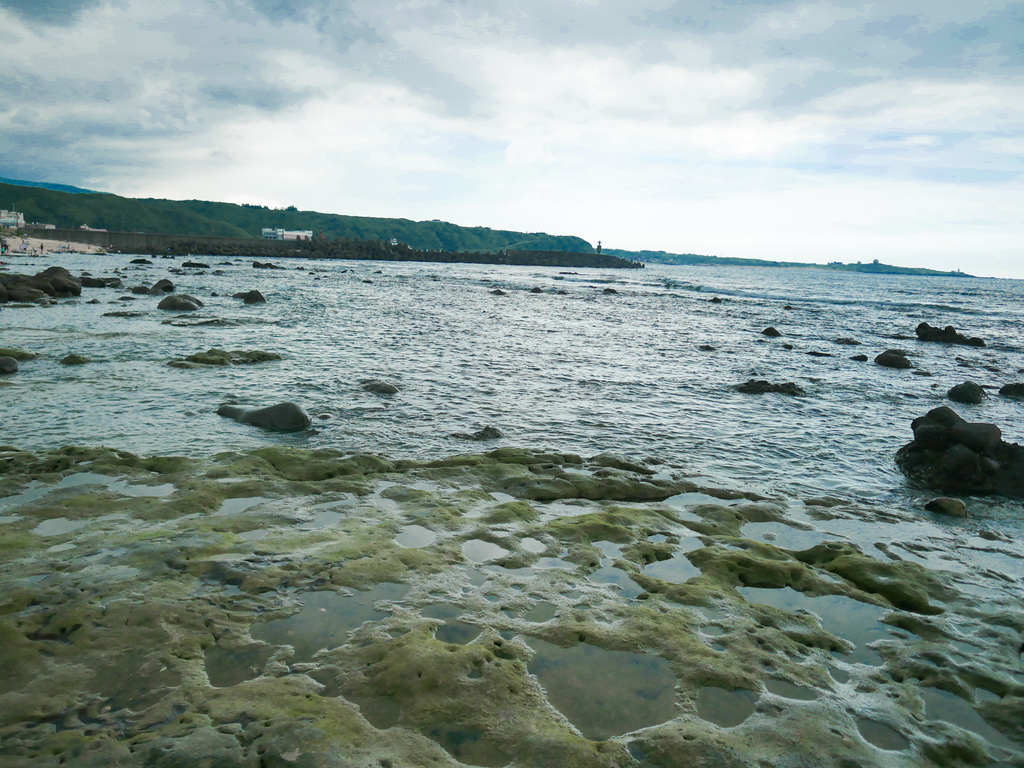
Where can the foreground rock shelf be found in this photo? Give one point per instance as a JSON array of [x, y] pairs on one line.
[[284, 607]]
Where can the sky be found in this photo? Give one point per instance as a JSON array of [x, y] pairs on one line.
[[777, 129]]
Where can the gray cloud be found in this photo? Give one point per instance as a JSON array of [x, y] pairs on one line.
[[63, 12]]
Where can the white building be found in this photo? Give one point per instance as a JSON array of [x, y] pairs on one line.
[[12, 219], [287, 234]]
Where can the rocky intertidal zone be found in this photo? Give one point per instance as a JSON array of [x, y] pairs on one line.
[[282, 607]]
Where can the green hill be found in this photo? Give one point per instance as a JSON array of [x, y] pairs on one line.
[[201, 218]]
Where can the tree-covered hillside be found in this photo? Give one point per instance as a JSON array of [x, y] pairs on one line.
[[202, 218]]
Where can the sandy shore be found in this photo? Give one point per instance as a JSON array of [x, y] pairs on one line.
[[25, 246]]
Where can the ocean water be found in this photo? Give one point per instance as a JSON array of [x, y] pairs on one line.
[[582, 371]]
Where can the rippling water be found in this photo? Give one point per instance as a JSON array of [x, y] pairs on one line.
[[583, 371]]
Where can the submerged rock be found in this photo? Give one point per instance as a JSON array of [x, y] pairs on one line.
[[486, 433], [181, 302], [1012, 390], [771, 332], [379, 386], [947, 335], [223, 357], [8, 365], [75, 360], [760, 387], [283, 417], [945, 505], [251, 297], [952, 455]]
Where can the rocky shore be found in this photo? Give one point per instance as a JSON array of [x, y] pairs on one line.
[[319, 608]]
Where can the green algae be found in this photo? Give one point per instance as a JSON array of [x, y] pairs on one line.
[[220, 357]]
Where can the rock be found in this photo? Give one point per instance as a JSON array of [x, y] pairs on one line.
[[498, 292], [845, 341], [3, 293], [945, 505], [101, 282], [716, 300], [222, 357], [181, 302], [265, 265], [609, 291], [947, 335], [75, 360], [760, 387], [250, 297], [368, 281], [536, 289], [486, 433], [1012, 390], [771, 332], [706, 348], [893, 358], [951, 455], [860, 358], [141, 290], [17, 354], [968, 392], [283, 417], [140, 261], [815, 353], [164, 285], [8, 365], [379, 387], [196, 265], [123, 314]]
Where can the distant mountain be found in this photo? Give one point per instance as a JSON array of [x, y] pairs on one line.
[[45, 185], [202, 218]]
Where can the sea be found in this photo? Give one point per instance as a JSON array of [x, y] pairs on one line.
[[642, 363]]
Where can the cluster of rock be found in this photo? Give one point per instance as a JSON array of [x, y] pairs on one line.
[[51, 283], [947, 335], [223, 357], [952, 455], [760, 387]]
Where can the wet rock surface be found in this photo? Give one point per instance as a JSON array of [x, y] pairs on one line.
[[947, 335], [952, 455], [760, 387], [282, 417], [325, 608], [893, 358]]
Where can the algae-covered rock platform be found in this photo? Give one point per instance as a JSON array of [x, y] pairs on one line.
[[316, 608]]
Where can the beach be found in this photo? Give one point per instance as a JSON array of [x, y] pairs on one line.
[[642, 565]]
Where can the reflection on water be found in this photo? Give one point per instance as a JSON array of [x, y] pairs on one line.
[[676, 569], [480, 551], [451, 631], [605, 693], [326, 619], [415, 536], [850, 619], [725, 708], [942, 705], [881, 735]]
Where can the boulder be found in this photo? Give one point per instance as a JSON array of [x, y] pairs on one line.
[[8, 365], [536, 289], [893, 358], [379, 387], [101, 282], [846, 341], [3, 293], [164, 285], [715, 300], [498, 292], [140, 261], [196, 265], [1012, 390], [859, 358], [609, 291], [250, 297], [265, 265], [181, 302], [771, 332], [140, 290], [968, 393], [944, 505], [75, 360], [760, 387], [24, 293], [283, 417], [947, 335], [951, 455]]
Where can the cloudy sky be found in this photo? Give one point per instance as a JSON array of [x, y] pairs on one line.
[[809, 131]]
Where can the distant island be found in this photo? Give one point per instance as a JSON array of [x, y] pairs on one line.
[[149, 225]]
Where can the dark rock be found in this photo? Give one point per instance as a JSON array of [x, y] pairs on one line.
[[487, 433], [1012, 390], [498, 292], [760, 387], [561, 292], [368, 281], [24, 293], [945, 505], [893, 358], [140, 261], [771, 332], [947, 335], [846, 341], [788, 307], [968, 392], [716, 300], [123, 314], [164, 285], [141, 290], [101, 282], [609, 291], [283, 417], [814, 353], [181, 302], [250, 297], [787, 346], [265, 265], [536, 289], [860, 358], [3, 293], [8, 365], [706, 348], [951, 455], [75, 360], [377, 386], [195, 265]]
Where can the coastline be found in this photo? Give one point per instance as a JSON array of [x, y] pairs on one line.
[[40, 246]]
